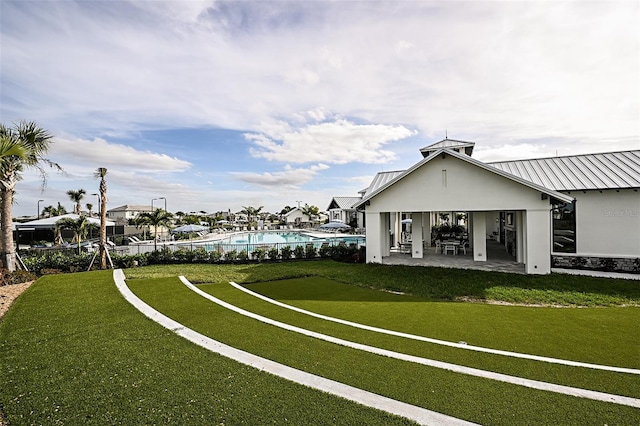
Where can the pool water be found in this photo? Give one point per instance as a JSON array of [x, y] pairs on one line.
[[268, 238], [251, 240]]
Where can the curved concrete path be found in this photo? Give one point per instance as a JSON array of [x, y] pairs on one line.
[[369, 399], [534, 384], [437, 341]]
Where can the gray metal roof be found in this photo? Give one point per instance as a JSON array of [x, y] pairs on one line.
[[344, 203], [448, 143], [382, 179], [613, 170]]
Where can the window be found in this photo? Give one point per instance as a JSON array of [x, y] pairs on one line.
[[564, 228]]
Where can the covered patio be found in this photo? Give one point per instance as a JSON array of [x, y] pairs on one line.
[[498, 259], [503, 215]]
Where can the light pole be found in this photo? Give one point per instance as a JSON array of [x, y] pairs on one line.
[[39, 208], [152, 200], [165, 202]]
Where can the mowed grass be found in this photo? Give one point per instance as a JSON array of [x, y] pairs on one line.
[[409, 314], [431, 283], [73, 351], [471, 398]]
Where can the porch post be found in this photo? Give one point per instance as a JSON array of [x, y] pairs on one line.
[[374, 237], [416, 235], [386, 233], [479, 236], [398, 228], [538, 242], [519, 236]]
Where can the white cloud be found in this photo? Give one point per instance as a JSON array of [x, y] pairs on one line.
[[337, 142], [289, 177], [96, 153]]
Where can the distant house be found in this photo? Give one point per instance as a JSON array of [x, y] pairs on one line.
[[121, 215], [580, 210], [342, 209], [297, 218]]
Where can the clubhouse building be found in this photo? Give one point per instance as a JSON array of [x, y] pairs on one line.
[[579, 211]]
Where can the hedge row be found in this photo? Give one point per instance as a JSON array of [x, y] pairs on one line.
[[49, 263]]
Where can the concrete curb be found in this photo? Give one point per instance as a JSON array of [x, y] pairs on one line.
[[369, 399], [533, 384], [437, 341]]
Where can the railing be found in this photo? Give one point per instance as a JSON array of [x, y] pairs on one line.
[[249, 248]]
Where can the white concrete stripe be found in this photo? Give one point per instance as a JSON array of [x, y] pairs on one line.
[[441, 342], [369, 399], [534, 384]]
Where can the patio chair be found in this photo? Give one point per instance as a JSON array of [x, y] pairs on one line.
[[463, 246]]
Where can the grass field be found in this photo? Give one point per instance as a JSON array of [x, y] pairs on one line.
[[73, 351]]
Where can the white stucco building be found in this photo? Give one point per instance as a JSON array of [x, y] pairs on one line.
[[567, 211]]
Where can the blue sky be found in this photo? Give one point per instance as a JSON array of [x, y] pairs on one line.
[[218, 105]]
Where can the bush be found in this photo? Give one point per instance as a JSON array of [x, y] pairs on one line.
[[273, 253], [243, 256], [231, 256], [286, 252], [259, 254], [298, 252], [215, 256], [310, 251], [324, 251]]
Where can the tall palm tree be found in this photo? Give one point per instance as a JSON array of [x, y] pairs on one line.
[[251, 211], [89, 207], [79, 226], [101, 173], [49, 211], [76, 197], [156, 218], [60, 210], [34, 142]]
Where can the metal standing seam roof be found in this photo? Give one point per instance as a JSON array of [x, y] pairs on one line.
[[613, 170], [382, 179], [345, 203]]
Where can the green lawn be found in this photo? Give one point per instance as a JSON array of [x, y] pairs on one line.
[[73, 351], [467, 397], [431, 283]]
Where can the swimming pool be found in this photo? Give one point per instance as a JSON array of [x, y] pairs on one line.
[[251, 241]]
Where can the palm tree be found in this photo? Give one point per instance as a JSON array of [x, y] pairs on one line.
[[60, 210], [76, 197], [156, 218], [100, 173], [34, 142], [251, 211], [79, 226], [49, 211], [180, 215], [310, 211], [89, 207]]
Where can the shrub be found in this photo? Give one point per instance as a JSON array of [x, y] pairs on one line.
[[259, 254], [231, 256], [286, 252], [243, 256], [310, 251], [298, 252], [324, 251], [215, 256], [273, 253]]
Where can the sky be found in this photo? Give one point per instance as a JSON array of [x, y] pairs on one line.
[[216, 105]]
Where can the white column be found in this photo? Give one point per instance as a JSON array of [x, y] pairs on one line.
[[374, 238], [538, 242], [386, 233], [479, 236], [416, 235], [519, 236]]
